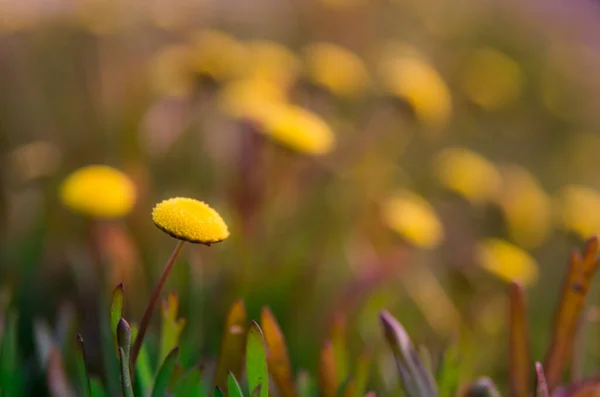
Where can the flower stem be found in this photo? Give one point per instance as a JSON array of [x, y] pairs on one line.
[[135, 350]]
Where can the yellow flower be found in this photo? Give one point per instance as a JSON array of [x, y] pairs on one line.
[[578, 210], [99, 191], [526, 206], [491, 79], [170, 70], [217, 54], [413, 218], [406, 74], [190, 220], [271, 61], [507, 261], [250, 99], [467, 174], [298, 129], [336, 69]]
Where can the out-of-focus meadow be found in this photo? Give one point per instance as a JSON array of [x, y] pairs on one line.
[[407, 155]]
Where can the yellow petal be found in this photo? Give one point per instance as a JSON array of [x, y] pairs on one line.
[[336, 69], [99, 191], [507, 261], [578, 210], [491, 79], [467, 174], [299, 129], [413, 218], [190, 220]]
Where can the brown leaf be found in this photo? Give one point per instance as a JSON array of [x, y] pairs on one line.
[[328, 383], [520, 352], [232, 344], [277, 354], [575, 289]]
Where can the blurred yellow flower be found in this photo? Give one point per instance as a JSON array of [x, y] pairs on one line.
[[413, 218], [271, 61], [491, 79], [336, 69], [467, 174], [251, 99], [298, 129], [578, 210], [98, 191], [170, 70], [526, 206], [190, 220], [217, 54], [407, 75], [507, 261]]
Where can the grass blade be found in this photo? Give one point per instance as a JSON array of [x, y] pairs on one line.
[[231, 355], [9, 358], [233, 386], [305, 385], [575, 289], [171, 325], [449, 370], [361, 374], [277, 354], [256, 361], [219, 392], [519, 349], [416, 379], [144, 374], [97, 388], [124, 343], [337, 336], [163, 377], [84, 380], [190, 384], [328, 379]]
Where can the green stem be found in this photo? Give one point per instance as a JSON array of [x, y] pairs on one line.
[[137, 345]]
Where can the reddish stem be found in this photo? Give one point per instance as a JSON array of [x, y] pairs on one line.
[[137, 345]]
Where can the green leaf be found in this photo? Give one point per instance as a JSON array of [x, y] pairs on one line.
[[171, 325], [361, 374], [417, 381], [144, 375], [448, 373], [124, 343], [84, 380], [233, 386], [219, 392], [9, 357], [575, 289], [190, 384], [306, 385], [256, 361], [231, 353], [165, 372], [116, 308], [97, 388]]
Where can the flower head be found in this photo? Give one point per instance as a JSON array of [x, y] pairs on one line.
[[268, 60], [526, 206], [170, 70], [407, 75], [336, 69], [578, 210], [99, 191], [507, 261], [467, 174], [298, 129], [491, 79], [190, 220], [250, 98], [217, 54], [413, 218]]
